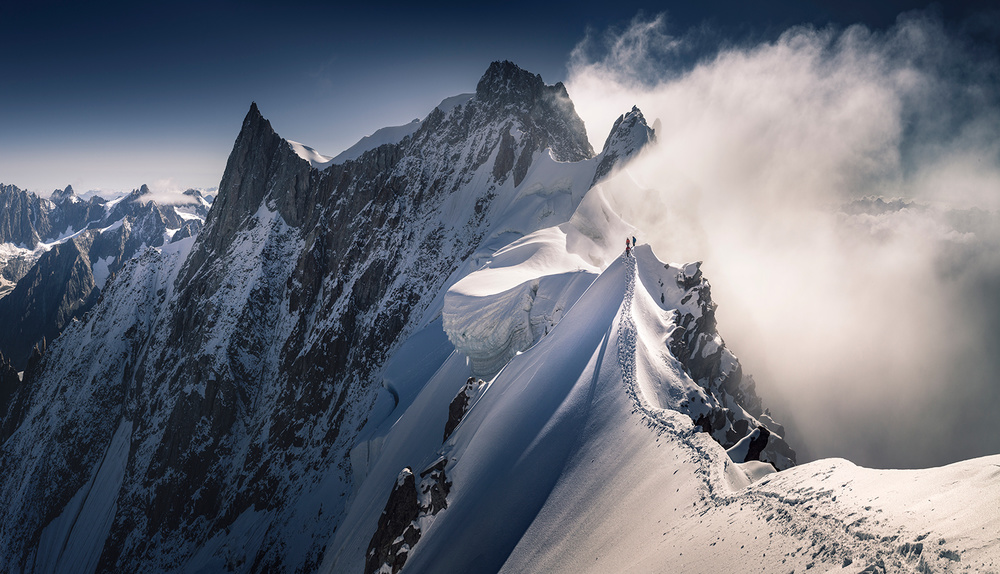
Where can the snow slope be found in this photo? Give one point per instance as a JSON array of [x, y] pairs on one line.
[[307, 153], [438, 354], [95, 352], [577, 458]]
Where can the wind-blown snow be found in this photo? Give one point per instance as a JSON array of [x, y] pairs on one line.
[[577, 453]]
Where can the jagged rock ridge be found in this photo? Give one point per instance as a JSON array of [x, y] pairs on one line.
[[628, 136], [52, 288], [203, 416], [244, 383]]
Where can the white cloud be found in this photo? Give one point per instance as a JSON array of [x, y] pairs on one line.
[[847, 320], [167, 192]]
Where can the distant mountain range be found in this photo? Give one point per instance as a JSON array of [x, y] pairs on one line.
[[432, 354], [57, 254]]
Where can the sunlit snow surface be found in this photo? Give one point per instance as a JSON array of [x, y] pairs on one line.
[[576, 457], [573, 456]]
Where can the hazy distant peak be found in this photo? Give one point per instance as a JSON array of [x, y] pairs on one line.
[[61, 195]]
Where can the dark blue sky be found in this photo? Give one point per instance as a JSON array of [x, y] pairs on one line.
[[121, 94]]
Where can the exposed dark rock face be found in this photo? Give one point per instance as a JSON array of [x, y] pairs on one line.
[[757, 443], [245, 381], [13, 270], [434, 488], [62, 195], [697, 345], [73, 214], [460, 405], [628, 136], [9, 384], [189, 228], [20, 398], [24, 217], [544, 114], [199, 202], [59, 288], [398, 529]]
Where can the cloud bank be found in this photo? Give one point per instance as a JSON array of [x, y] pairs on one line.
[[871, 326]]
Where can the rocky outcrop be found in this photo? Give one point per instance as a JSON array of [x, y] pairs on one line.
[[59, 288], [24, 217], [13, 269], [628, 136], [189, 228], [397, 531], [63, 195], [399, 526], [696, 343], [460, 405], [10, 382]]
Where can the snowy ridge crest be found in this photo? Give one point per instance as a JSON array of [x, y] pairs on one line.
[[364, 367], [252, 385]]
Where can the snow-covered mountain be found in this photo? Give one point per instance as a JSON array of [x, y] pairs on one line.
[[58, 254], [434, 356]]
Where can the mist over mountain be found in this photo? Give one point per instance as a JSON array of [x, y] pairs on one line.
[[433, 353], [766, 155]]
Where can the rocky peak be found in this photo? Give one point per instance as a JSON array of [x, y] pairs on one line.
[[61, 195], [523, 116], [629, 135], [135, 194], [23, 219], [258, 163], [506, 83], [630, 132]]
